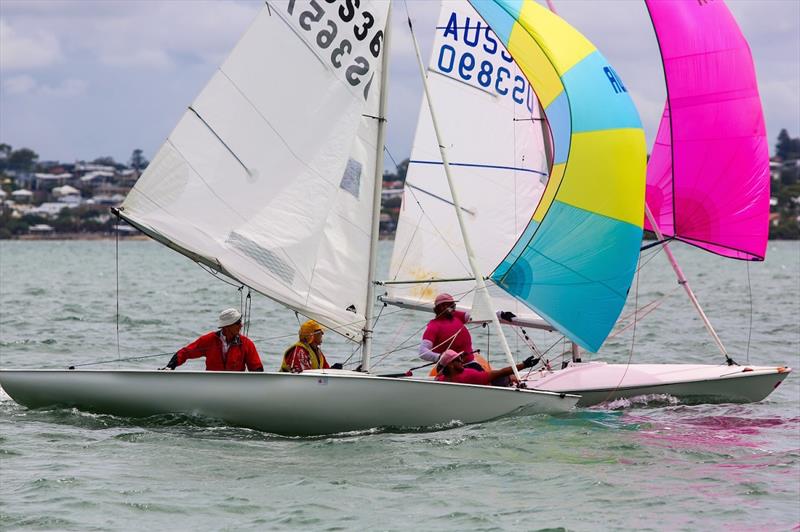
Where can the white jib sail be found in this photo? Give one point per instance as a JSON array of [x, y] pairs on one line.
[[489, 118], [268, 176]]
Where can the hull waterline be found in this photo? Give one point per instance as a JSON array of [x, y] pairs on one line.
[[310, 403], [598, 382]]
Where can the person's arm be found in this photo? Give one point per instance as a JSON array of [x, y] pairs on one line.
[[426, 352], [195, 349], [251, 358], [507, 371]]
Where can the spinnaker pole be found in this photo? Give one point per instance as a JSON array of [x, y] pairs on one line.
[[685, 283], [369, 309], [481, 293]]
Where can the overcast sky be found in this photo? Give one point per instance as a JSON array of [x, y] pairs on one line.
[[84, 79]]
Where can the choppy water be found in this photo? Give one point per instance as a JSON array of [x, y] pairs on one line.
[[660, 466]]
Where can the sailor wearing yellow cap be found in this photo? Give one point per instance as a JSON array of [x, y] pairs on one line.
[[306, 353]]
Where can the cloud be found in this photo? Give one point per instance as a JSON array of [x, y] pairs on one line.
[[146, 58], [32, 50], [27, 85], [19, 85], [124, 33]]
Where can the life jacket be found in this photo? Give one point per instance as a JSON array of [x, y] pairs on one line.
[[317, 359], [478, 363]]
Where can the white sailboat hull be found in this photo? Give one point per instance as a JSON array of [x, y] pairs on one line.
[[311, 403], [598, 382]]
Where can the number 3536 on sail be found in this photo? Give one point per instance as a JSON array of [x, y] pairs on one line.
[[344, 34]]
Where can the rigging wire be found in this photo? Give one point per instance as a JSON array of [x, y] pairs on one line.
[[633, 343], [116, 259], [750, 298]]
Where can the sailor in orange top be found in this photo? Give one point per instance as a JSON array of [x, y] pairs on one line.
[[224, 349], [451, 369], [306, 353]]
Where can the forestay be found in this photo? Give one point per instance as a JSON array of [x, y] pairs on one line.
[[575, 260], [490, 120], [268, 176], [708, 177]]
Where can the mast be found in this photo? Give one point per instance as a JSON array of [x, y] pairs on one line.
[[369, 310], [685, 283], [481, 293]]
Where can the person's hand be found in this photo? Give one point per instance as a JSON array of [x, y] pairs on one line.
[[338, 365], [173, 363], [530, 361], [507, 315]]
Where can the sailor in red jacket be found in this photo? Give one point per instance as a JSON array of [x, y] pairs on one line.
[[452, 369], [224, 349]]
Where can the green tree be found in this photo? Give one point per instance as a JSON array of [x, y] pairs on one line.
[[105, 161], [22, 160], [787, 147], [138, 160], [5, 153]]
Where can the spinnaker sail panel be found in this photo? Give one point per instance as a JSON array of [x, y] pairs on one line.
[[269, 174], [575, 261], [492, 125], [708, 178]]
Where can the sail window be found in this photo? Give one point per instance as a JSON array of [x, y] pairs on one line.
[[351, 180]]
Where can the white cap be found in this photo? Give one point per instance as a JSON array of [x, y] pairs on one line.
[[229, 316]]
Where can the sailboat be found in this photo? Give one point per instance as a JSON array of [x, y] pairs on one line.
[[271, 178], [707, 185]]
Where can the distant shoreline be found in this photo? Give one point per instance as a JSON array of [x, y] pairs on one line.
[[81, 236]]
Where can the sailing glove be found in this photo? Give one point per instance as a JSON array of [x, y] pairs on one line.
[[530, 361], [506, 315], [173, 362], [338, 365]]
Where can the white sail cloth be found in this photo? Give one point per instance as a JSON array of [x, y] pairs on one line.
[[490, 121], [268, 176]]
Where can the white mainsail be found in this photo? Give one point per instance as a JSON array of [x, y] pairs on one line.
[[492, 124], [268, 176]]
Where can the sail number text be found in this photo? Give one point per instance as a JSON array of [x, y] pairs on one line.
[[471, 55], [338, 27]]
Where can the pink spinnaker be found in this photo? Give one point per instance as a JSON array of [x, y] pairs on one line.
[[708, 180]]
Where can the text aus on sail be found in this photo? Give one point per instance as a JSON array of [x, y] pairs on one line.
[[347, 37], [470, 52]]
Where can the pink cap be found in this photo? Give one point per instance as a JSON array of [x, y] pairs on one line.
[[442, 299], [447, 357]]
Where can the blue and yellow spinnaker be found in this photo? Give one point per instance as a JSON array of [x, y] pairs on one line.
[[576, 259]]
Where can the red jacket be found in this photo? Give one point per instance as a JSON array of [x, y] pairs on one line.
[[467, 376], [299, 357], [241, 352]]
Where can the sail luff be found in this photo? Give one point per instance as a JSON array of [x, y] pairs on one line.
[[369, 303]]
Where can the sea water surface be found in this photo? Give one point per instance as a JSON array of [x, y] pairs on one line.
[[660, 465]]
